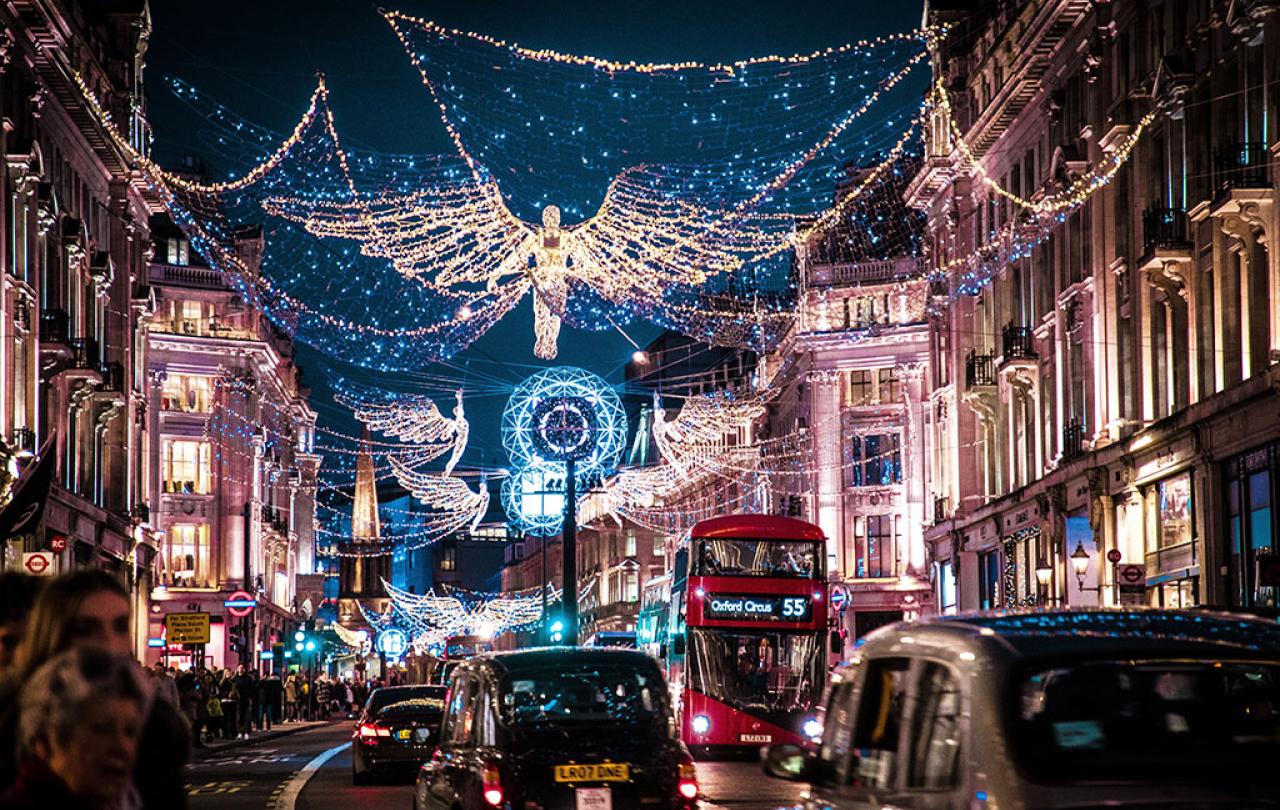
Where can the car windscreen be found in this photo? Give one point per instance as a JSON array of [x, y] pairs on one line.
[[430, 707], [1127, 721], [382, 698], [577, 693]]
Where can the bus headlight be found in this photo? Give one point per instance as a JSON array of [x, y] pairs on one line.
[[812, 729], [700, 724]]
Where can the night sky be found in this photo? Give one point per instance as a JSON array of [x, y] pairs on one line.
[[260, 59]]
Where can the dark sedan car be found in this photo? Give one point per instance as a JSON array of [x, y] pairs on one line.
[[558, 729], [397, 730]]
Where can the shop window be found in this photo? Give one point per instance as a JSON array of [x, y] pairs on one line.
[[946, 583], [1251, 527], [189, 555], [184, 466], [1174, 507], [989, 580]]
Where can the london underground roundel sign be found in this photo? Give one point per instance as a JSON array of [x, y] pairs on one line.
[[240, 604]]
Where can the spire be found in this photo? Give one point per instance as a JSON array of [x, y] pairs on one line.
[[364, 514]]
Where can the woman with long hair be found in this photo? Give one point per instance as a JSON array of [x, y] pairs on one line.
[[90, 609]]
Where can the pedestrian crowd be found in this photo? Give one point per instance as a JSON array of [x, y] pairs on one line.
[[83, 726]]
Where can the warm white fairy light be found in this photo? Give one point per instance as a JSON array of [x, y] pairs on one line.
[[416, 420]]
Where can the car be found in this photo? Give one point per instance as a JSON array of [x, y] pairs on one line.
[[396, 731], [558, 729], [440, 675], [1051, 709]]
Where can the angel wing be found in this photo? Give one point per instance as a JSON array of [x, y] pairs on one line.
[[452, 234], [704, 425], [416, 420], [444, 493], [429, 610]]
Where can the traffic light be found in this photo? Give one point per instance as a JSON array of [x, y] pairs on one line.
[[555, 631]]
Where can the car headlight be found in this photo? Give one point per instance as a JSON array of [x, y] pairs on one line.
[[812, 728], [700, 724]]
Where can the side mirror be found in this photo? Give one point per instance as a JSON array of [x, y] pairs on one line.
[[677, 645], [788, 762], [837, 643]]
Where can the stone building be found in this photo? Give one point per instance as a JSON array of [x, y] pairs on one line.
[[849, 385], [228, 453], [72, 303], [1113, 390]]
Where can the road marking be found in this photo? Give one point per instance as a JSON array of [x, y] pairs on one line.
[[287, 799]]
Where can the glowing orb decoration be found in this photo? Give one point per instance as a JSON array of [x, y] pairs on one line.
[[392, 642], [533, 496], [557, 415], [561, 412]]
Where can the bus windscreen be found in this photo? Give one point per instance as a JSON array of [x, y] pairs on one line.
[[758, 558]]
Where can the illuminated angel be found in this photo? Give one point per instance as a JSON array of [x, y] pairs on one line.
[[462, 239], [444, 493], [419, 421]]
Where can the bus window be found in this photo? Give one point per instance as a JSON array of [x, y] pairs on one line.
[[758, 558]]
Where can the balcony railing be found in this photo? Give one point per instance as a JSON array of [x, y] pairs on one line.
[[113, 377], [1072, 440], [53, 325], [979, 369], [1164, 228], [84, 353], [1018, 342], [1241, 165]]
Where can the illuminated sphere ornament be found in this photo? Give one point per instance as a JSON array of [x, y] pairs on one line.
[[557, 415], [565, 411]]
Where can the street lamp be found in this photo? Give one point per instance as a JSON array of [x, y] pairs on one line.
[[1080, 563], [1044, 572]]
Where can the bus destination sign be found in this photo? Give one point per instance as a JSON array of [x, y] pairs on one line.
[[757, 607]]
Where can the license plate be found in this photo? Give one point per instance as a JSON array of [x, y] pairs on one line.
[[756, 738], [594, 772], [593, 799], [404, 734]]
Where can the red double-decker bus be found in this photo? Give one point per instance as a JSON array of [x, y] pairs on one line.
[[747, 636]]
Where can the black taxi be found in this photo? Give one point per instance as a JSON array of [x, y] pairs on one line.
[[558, 729]]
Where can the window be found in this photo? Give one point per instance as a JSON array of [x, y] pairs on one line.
[[189, 393], [875, 460], [837, 731], [179, 251], [189, 555], [184, 466], [189, 317], [935, 729], [875, 548], [989, 580], [1174, 496], [462, 711], [631, 586], [1252, 527], [880, 715], [659, 546], [890, 388], [946, 581], [860, 388], [630, 544], [448, 558]]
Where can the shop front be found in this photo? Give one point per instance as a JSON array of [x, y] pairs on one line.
[[1252, 482]]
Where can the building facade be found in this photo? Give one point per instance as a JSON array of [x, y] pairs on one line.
[[72, 303], [228, 453], [1112, 393]]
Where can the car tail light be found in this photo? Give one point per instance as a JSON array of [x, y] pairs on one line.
[[369, 731], [687, 779], [492, 785]]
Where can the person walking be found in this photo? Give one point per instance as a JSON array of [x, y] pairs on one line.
[[271, 695], [291, 697], [247, 690]]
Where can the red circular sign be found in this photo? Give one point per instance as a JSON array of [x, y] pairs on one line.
[[37, 563], [1114, 555], [241, 611], [58, 543], [1132, 573]]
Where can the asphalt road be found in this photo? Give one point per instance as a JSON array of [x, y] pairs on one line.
[[283, 774]]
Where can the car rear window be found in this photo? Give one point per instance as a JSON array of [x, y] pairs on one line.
[[585, 692], [383, 698], [1127, 721], [429, 706]]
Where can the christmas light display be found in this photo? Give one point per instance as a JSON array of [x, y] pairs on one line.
[[554, 414], [416, 420]]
